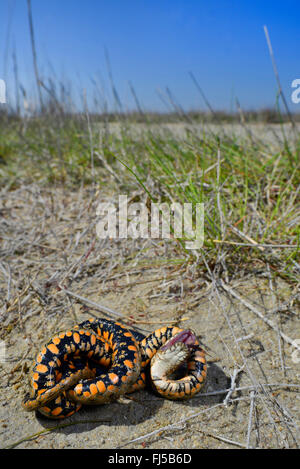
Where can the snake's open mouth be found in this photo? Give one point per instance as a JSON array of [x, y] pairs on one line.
[[187, 337]]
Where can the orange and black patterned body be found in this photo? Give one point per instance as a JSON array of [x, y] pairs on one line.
[[125, 367], [67, 358], [99, 360], [161, 368], [166, 362], [153, 342]]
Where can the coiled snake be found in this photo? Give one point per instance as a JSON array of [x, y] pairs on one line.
[[99, 360]]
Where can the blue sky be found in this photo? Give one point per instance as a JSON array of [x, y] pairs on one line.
[[155, 44]]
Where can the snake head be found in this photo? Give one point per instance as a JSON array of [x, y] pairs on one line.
[[187, 337]]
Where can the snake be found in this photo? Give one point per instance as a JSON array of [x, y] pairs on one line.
[[99, 360]]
